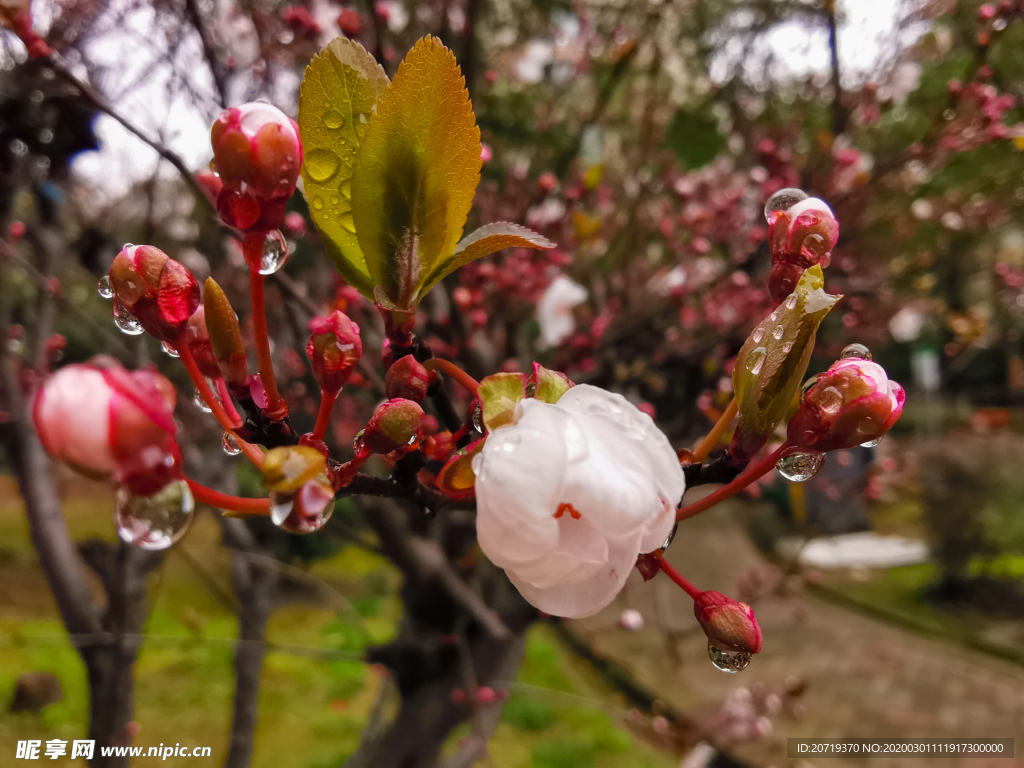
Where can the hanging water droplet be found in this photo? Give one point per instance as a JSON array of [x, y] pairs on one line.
[[777, 333], [305, 511], [783, 200], [126, 246], [800, 467], [154, 522], [806, 386], [321, 164], [872, 443], [855, 351], [357, 442], [275, 253], [757, 335], [168, 349], [730, 662], [230, 444], [125, 321], [281, 505], [791, 301], [200, 403], [756, 360], [103, 288], [478, 418]]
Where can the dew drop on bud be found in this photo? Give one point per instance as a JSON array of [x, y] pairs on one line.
[[778, 332], [103, 288], [154, 522], [275, 253], [783, 200], [857, 351], [357, 441], [305, 511], [791, 301], [806, 387], [230, 444], [200, 403], [478, 419], [872, 443], [168, 349], [757, 335], [800, 467], [125, 321], [730, 662]]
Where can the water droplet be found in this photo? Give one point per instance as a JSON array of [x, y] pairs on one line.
[[730, 662], [154, 522], [478, 418], [774, 316], [318, 203], [777, 333], [322, 164], [19, 147], [872, 443], [230, 444], [347, 222], [758, 365], [757, 335], [103, 288], [335, 199], [169, 350], [791, 301], [305, 511], [787, 347], [275, 253], [126, 246], [830, 399], [855, 351], [783, 200], [999, 24], [333, 119], [200, 403], [357, 442], [800, 467], [346, 189], [806, 386], [125, 321]]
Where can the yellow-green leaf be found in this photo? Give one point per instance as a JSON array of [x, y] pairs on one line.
[[419, 165], [499, 395], [483, 242], [341, 86]]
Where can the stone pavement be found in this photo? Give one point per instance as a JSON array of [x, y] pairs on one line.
[[859, 677]]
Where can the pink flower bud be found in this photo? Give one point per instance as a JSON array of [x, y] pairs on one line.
[[408, 379], [160, 292], [394, 425], [258, 154], [334, 349], [800, 237], [853, 402], [108, 422], [197, 336], [349, 22], [729, 624]]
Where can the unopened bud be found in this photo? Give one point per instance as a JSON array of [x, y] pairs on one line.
[[730, 625], [225, 334], [408, 379], [802, 236], [396, 424], [159, 291], [334, 349]]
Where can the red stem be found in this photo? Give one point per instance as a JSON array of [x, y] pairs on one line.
[[259, 322], [679, 579], [212, 498], [227, 402], [254, 454], [323, 417], [737, 485], [468, 383]]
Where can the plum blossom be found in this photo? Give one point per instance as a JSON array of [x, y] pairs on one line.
[[105, 421], [570, 494], [554, 311]]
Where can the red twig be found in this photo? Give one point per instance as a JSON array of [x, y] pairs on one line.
[[737, 485]]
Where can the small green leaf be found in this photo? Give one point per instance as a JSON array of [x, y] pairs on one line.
[[336, 100], [499, 394], [694, 138], [483, 242], [548, 386], [419, 165]]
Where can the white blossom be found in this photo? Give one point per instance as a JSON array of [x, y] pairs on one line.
[[554, 311]]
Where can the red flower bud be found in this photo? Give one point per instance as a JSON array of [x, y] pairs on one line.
[[334, 348], [396, 424], [258, 154], [108, 422], [800, 237], [349, 22], [853, 402], [160, 292], [729, 625], [407, 378], [197, 336]]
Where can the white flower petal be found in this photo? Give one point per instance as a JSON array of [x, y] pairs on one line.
[[585, 598], [518, 485], [658, 529], [581, 553], [554, 310]]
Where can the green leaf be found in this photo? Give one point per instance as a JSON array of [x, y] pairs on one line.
[[499, 394], [548, 386], [419, 165], [483, 242], [771, 364], [694, 138], [336, 100]]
